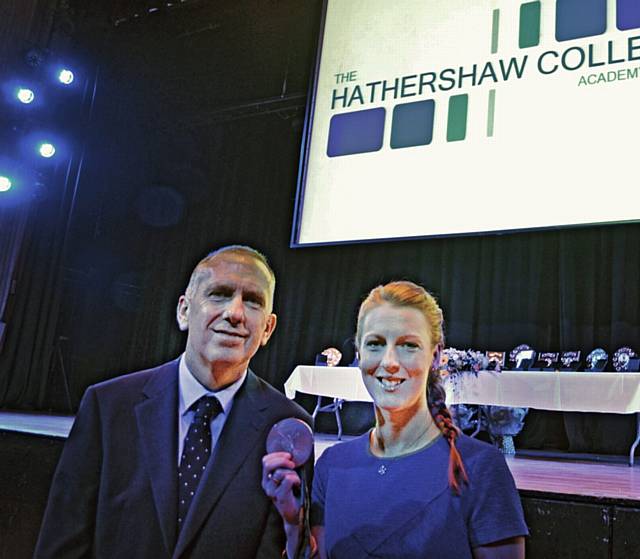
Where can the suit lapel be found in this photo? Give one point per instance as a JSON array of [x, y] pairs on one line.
[[239, 436], [158, 430]]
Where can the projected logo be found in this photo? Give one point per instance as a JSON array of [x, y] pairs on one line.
[[412, 123]]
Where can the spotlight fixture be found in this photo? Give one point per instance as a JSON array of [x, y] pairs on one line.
[[65, 76], [25, 95], [46, 150], [5, 183]]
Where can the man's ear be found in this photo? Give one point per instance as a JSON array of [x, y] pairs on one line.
[[182, 313], [272, 320]]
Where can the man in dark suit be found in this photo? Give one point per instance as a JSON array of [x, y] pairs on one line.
[[120, 490]]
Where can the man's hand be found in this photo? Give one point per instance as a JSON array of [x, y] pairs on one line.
[[282, 484]]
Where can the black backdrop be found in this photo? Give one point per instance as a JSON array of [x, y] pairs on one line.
[[193, 142]]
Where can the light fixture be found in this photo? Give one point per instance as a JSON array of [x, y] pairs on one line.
[[65, 76], [5, 183], [25, 95], [46, 149]]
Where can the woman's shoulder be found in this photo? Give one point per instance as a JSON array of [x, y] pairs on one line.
[[473, 451], [485, 462], [345, 451]]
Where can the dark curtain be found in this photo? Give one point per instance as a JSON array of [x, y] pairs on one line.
[[31, 221], [172, 172]]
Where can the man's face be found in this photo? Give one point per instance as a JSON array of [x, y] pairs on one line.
[[228, 316]]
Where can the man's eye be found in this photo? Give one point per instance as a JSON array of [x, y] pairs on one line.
[[254, 303], [218, 294]]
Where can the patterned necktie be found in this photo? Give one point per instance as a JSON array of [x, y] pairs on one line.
[[195, 453]]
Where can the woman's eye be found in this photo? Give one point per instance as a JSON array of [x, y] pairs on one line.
[[411, 345], [373, 344]]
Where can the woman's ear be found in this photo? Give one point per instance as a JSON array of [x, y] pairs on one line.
[[437, 357]]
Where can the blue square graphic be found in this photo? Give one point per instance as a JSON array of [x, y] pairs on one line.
[[356, 132], [628, 14], [412, 124], [580, 18]]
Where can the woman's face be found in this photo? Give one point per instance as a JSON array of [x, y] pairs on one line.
[[396, 353]]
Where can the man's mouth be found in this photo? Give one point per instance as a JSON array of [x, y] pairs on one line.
[[390, 384], [230, 333]]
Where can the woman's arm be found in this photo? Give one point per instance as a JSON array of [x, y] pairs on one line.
[[318, 534], [511, 548]]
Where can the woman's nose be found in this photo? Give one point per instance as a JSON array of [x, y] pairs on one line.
[[390, 360]]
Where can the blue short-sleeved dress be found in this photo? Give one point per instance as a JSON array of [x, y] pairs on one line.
[[403, 507]]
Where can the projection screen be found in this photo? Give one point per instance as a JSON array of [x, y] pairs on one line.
[[450, 117]]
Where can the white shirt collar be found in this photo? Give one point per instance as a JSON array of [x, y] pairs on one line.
[[190, 390]]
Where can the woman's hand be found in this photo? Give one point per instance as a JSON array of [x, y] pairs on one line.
[[281, 483]]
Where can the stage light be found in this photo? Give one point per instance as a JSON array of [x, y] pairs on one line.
[[65, 76], [25, 95], [46, 150], [5, 183]]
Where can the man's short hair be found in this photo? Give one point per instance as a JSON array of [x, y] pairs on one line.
[[242, 250]]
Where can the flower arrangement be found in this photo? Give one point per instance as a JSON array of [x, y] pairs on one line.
[[455, 361], [333, 356], [501, 423]]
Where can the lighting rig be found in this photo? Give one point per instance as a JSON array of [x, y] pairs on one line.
[[39, 117]]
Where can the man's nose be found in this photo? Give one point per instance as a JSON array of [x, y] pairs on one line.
[[234, 311]]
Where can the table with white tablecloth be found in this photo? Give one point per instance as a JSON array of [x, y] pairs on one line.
[[334, 382], [553, 390], [338, 383], [545, 390]]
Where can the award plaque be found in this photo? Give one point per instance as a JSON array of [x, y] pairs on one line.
[[496, 357], [621, 358], [547, 361], [516, 350], [522, 357], [495, 360], [597, 360], [569, 360]]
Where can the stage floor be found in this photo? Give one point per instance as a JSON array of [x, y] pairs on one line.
[[580, 478]]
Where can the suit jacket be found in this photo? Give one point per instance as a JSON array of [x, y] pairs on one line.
[[114, 493]]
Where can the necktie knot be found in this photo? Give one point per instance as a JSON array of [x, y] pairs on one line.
[[207, 407]]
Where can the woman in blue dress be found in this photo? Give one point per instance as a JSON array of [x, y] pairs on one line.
[[414, 486]]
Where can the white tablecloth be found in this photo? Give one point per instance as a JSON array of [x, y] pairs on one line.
[[334, 382], [587, 392]]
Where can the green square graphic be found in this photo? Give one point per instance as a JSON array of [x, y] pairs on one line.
[[457, 118], [529, 35]]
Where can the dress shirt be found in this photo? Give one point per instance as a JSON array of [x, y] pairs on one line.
[[189, 391]]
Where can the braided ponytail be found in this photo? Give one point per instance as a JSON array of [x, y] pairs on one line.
[[444, 422], [409, 294]]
